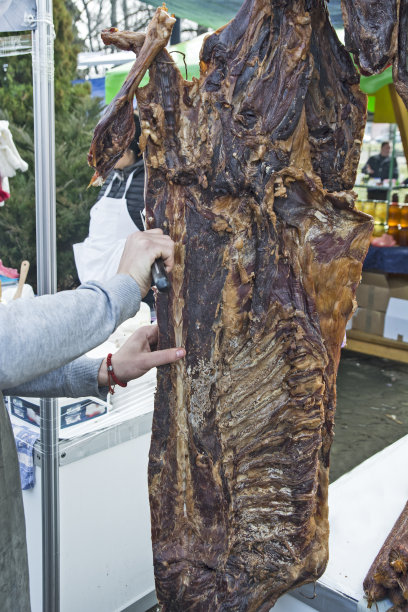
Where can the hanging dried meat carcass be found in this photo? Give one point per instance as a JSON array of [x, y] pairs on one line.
[[400, 67], [371, 32], [248, 170], [388, 574], [376, 32]]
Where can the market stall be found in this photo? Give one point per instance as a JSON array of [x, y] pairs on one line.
[[85, 476]]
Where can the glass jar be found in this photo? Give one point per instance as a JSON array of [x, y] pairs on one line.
[[380, 213], [404, 216], [379, 229], [393, 231], [394, 215], [369, 207], [403, 236]]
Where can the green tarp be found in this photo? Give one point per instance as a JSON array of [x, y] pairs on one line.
[[216, 13], [210, 14]]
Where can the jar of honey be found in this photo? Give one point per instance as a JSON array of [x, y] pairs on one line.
[[369, 207], [394, 215], [403, 236], [379, 229], [404, 216], [394, 232], [380, 213]]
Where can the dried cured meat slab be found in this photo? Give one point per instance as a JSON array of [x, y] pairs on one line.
[[388, 574], [400, 67], [248, 170], [371, 32], [376, 33]]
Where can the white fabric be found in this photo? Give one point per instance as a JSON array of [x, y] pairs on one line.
[[98, 257], [8, 293], [10, 160]]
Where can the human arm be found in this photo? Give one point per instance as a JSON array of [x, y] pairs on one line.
[[138, 355], [79, 378], [367, 168], [47, 332], [44, 334], [89, 377]]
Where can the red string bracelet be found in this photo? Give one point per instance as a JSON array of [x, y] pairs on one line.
[[111, 374]]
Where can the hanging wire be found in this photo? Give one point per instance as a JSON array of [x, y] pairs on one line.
[[43, 59], [15, 45], [184, 60]]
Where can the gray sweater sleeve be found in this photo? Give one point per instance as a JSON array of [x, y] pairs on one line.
[[40, 337], [79, 378]]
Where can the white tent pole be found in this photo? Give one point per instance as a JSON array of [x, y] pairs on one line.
[[44, 139]]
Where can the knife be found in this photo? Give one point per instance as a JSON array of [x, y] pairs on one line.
[[159, 275]]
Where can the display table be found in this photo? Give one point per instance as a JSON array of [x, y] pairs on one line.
[[370, 344], [389, 260], [105, 545], [363, 507]]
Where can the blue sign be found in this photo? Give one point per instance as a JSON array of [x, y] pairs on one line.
[[17, 15]]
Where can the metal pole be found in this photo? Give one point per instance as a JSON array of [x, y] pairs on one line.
[[393, 132], [44, 138]]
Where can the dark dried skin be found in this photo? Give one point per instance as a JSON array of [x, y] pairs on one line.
[[266, 268], [387, 576], [116, 128], [371, 28], [335, 130], [400, 67], [268, 257]]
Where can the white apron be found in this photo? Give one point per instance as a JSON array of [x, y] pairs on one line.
[[97, 258]]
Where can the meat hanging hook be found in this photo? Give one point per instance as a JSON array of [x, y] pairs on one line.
[[184, 60], [314, 594]]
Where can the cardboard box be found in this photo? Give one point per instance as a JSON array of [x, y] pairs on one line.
[[396, 320], [398, 285], [370, 321], [73, 411], [374, 292]]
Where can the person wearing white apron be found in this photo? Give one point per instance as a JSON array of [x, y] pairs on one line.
[[97, 258]]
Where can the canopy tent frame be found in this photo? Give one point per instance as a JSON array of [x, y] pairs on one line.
[[45, 198], [42, 48]]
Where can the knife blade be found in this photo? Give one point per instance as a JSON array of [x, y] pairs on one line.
[[159, 275]]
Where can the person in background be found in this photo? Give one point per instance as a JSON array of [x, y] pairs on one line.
[[43, 343], [378, 167], [114, 216]]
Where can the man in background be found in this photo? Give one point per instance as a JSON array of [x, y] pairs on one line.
[[378, 167]]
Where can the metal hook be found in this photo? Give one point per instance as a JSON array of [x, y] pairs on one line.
[[314, 593], [184, 60]]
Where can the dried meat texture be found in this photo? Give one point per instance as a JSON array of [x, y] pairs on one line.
[[116, 129], [388, 576], [268, 254], [371, 28], [400, 67], [334, 107]]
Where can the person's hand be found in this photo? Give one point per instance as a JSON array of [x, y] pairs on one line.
[[369, 169], [138, 355], [141, 249]]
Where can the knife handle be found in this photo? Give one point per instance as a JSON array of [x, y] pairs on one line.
[[159, 276]]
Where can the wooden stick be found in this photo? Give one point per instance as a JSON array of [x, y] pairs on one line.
[[25, 266]]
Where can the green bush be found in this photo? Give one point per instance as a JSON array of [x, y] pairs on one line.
[[76, 115]]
